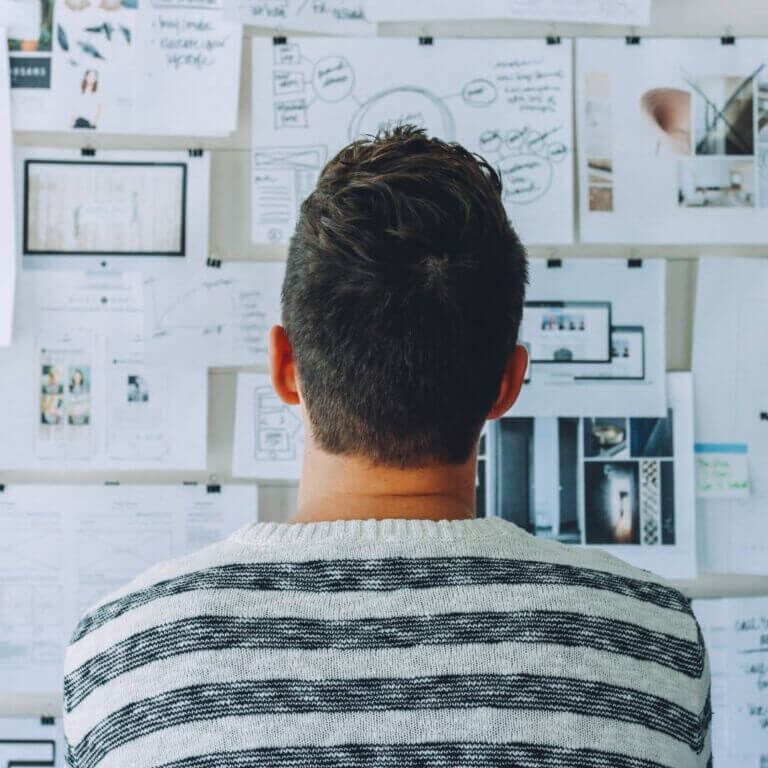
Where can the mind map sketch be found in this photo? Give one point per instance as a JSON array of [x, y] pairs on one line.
[[509, 101]]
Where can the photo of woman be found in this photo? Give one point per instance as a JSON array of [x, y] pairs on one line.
[[88, 107]]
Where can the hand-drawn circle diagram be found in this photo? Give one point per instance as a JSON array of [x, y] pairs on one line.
[[480, 93], [403, 105], [526, 178], [333, 79]]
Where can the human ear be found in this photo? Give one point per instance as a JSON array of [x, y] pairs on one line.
[[282, 367], [511, 382]]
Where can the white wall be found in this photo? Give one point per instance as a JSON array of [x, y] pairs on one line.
[[230, 233]]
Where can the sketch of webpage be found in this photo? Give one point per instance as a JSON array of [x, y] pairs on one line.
[[508, 101], [596, 336], [736, 635], [117, 67], [624, 484], [213, 316], [730, 363], [77, 393], [111, 535], [332, 17], [32, 741], [7, 202], [673, 141], [149, 205], [269, 435], [629, 12]]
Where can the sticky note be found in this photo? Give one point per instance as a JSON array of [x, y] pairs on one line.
[[722, 470]]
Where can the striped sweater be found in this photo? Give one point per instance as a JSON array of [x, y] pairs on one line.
[[396, 644]]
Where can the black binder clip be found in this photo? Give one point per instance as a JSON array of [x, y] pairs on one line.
[[763, 417], [47, 720], [214, 263], [112, 483], [279, 40], [554, 263], [632, 40], [553, 39], [426, 40], [213, 488], [195, 152], [87, 151], [727, 40], [2, 487], [634, 263]]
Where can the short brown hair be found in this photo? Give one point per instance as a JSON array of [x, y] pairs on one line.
[[402, 299]]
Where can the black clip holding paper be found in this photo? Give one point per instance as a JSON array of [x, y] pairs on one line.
[[196, 152], [763, 415], [112, 483], [632, 40], [2, 487], [47, 720], [554, 263], [553, 40], [727, 40], [279, 40], [88, 152], [213, 488], [213, 263], [426, 40], [634, 263]]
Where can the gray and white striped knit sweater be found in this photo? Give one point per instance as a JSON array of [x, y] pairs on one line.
[[395, 644]]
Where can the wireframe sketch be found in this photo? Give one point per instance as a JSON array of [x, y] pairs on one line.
[[277, 427], [512, 105], [94, 207]]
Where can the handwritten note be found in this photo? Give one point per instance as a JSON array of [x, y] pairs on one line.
[[345, 17], [736, 634], [722, 470]]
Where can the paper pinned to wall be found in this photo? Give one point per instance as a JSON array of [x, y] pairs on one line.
[[116, 67], [213, 316], [510, 101], [87, 542], [628, 12], [736, 635], [623, 484], [596, 338], [673, 140], [7, 203], [36, 742], [730, 365], [77, 391], [124, 210], [269, 435], [332, 17]]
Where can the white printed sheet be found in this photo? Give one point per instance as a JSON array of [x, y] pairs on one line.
[[36, 742], [7, 203], [510, 101], [64, 548], [736, 635], [673, 140], [269, 435], [624, 484], [331, 17], [629, 12], [114, 67], [594, 329], [730, 365], [77, 211], [214, 316], [77, 392]]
